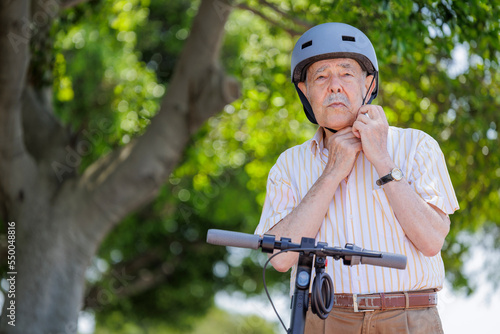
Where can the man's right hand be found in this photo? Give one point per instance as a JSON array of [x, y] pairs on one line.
[[343, 148]]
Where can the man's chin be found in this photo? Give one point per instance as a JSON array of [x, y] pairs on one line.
[[337, 126]]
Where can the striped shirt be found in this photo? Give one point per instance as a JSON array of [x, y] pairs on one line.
[[360, 212]]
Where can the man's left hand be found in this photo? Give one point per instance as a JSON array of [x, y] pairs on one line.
[[371, 127]]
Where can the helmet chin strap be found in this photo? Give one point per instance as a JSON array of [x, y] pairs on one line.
[[370, 87], [331, 130]]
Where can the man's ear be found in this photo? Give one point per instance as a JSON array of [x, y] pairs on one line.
[[369, 80], [303, 87]]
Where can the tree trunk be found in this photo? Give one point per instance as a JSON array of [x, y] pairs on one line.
[[61, 218]]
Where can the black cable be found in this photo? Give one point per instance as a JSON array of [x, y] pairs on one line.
[[322, 295], [267, 292], [264, 278]]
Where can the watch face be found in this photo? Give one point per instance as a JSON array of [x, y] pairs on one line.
[[397, 174]]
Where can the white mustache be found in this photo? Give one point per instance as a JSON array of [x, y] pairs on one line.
[[335, 98]]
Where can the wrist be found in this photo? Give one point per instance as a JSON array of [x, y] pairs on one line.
[[384, 167], [332, 177]]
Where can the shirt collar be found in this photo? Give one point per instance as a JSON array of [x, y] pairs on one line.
[[317, 142]]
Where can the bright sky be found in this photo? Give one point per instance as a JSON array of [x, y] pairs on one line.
[[478, 314]]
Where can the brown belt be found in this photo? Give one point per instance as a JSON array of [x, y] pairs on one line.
[[386, 301]]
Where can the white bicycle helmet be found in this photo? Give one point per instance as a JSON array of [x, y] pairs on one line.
[[327, 41]]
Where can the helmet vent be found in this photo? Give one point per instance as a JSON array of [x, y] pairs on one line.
[[307, 44], [345, 38]]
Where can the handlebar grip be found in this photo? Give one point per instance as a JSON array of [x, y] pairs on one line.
[[389, 260], [234, 239]]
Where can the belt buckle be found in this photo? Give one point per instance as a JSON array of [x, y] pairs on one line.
[[355, 304]]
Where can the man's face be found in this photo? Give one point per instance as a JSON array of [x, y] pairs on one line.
[[335, 89]]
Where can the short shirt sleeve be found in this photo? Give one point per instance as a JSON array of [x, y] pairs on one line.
[[430, 176], [280, 198]]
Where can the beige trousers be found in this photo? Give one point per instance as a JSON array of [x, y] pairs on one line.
[[340, 321]]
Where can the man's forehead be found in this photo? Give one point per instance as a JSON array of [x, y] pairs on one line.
[[322, 65]]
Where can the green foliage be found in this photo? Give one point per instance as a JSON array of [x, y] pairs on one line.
[[102, 87], [114, 60]]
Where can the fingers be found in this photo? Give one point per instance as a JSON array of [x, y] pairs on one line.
[[344, 139], [369, 111], [341, 135], [357, 127], [343, 131], [343, 148], [369, 116], [355, 144]]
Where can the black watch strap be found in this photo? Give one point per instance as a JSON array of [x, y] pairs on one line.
[[395, 174], [385, 179]]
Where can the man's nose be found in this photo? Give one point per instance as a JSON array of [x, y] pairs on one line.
[[335, 85]]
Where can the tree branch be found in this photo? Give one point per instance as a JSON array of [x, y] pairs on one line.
[[142, 273], [291, 32], [131, 176], [296, 20], [44, 136], [71, 3]]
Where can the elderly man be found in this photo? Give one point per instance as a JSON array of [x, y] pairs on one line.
[[361, 181]]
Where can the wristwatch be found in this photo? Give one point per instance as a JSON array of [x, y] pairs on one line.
[[395, 175]]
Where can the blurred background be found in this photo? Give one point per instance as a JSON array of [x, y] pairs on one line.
[[112, 60]]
